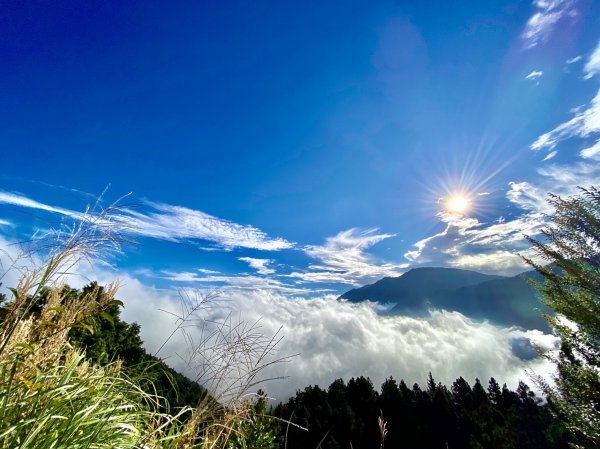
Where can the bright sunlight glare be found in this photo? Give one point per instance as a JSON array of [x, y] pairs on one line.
[[458, 204]]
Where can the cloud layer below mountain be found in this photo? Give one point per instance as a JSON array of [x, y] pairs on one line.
[[329, 338], [334, 339]]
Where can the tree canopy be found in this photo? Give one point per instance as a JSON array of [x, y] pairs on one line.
[[570, 250], [462, 416]]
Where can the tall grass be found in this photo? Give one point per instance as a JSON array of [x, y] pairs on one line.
[[52, 397]]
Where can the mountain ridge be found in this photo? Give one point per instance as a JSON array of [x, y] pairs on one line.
[[499, 299]]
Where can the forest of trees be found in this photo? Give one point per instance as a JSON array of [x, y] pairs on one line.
[[462, 416]]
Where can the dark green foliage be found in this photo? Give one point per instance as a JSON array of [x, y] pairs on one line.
[[259, 431], [114, 339], [462, 417], [106, 338], [571, 287]]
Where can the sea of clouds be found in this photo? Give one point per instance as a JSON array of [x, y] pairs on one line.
[[327, 338]]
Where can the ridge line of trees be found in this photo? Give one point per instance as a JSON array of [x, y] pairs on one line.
[[463, 416]]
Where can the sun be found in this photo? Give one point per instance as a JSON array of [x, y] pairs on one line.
[[457, 204]]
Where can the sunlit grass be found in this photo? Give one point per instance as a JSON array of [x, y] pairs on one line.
[[51, 396]]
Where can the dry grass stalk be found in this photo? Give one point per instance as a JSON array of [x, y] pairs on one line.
[[40, 367]]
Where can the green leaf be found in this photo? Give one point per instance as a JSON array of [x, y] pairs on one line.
[[87, 327]]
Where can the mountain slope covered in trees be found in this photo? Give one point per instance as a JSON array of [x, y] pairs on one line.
[[105, 338], [502, 300], [460, 417]]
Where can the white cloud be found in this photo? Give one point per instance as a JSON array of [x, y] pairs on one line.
[[206, 271], [548, 13], [11, 263], [527, 196], [559, 179], [174, 223], [260, 265], [336, 339], [467, 243], [182, 276], [492, 247], [496, 262], [6, 223], [592, 152], [565, 178], [238, 282], [22, 201], [586, 122], [592, 66], [343, 259], [534, 75], [419, 255], [574, 60], [507, 232], [179, 223]]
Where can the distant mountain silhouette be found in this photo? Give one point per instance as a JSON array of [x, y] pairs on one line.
[[415, 287], [501, 300]]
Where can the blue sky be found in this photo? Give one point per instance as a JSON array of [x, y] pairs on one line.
[[303, 148], [285, 152]]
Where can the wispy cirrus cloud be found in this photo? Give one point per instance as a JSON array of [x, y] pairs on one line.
[[343, 259], [238, 282], [15, 199], [173, 223], [547, 14], [563, 179], [560, 179], [592, 66], [168, 222], [585, 123], [534, 75]]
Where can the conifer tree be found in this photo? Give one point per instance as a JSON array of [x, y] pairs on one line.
[[570, 250]]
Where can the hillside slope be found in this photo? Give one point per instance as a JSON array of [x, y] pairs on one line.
[[501, 300]]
